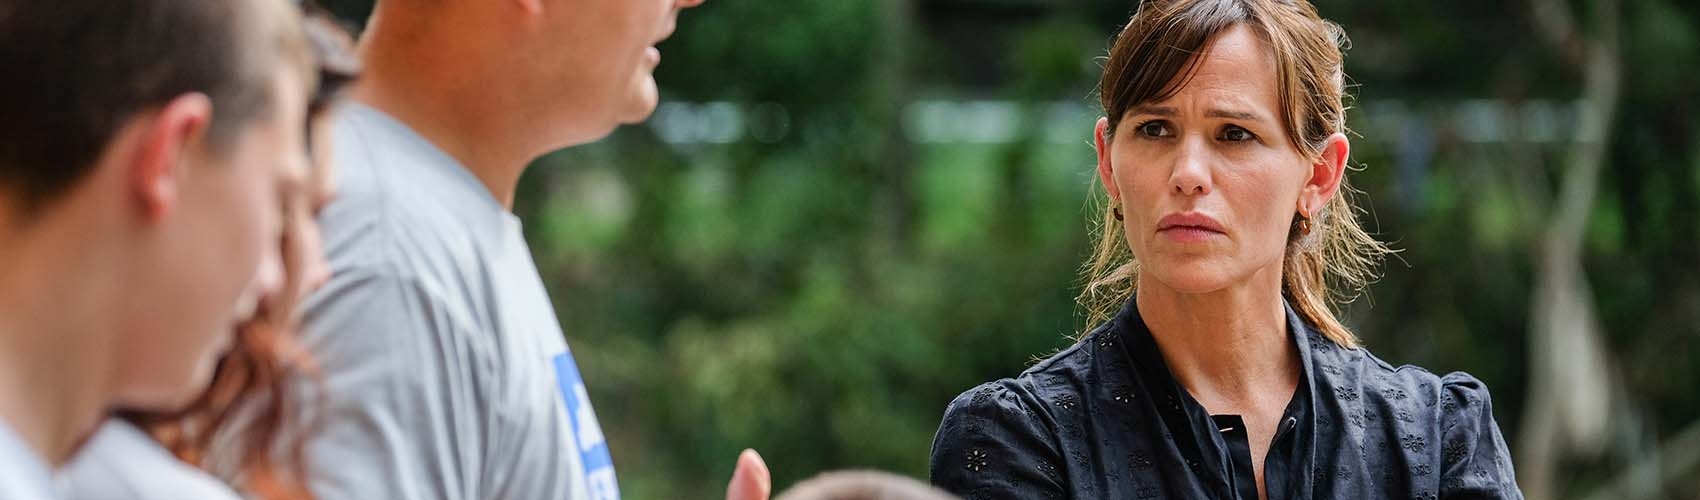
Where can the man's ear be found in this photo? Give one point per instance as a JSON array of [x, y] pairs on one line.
[[1105, 172], [168, 136], [1326, 173]]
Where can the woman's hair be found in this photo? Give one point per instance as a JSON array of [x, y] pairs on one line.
[[251, 385], [1153, 58]]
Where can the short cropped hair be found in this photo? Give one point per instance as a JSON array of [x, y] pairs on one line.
[[72, 72]]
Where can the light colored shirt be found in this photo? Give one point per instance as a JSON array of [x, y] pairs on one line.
[[445, 370], [122, 463], [23, 474]]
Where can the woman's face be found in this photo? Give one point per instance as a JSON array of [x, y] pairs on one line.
[[1208, 179], [307, 186]]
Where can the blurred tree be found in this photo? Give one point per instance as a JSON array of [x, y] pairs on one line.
[[1572, 384], [785, 259]]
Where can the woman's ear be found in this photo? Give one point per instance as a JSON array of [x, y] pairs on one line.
[[1105, 172], [1327, 170]]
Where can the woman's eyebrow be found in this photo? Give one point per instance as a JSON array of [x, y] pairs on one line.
[[1169, 111], [1155, 110], [1232, 114]]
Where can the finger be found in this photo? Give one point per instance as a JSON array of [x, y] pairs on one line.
[[750, 480]]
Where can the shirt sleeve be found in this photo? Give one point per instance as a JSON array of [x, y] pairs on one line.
[[992, 444], [1476, 461], [403, 392]]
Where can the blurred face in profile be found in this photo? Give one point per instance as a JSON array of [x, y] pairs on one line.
[[218, 256], [1207, 179], [604, 55], [306, 186]]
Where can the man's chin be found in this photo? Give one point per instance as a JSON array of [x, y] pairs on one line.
[[632, 109], [642, 103]]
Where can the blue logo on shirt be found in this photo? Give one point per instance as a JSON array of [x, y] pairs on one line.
[[592, 448]]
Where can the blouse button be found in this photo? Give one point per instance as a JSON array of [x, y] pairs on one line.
[[976, 460]]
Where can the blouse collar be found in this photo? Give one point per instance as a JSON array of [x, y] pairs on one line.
[[1148, 358], [1188, 423]]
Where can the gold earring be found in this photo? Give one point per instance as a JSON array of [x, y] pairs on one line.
[[1117, 209], [1304, 224]]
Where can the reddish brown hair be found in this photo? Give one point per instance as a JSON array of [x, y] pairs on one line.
[[250, 387]]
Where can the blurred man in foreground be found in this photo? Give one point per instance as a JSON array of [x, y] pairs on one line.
[[446, 373], [140, 144]]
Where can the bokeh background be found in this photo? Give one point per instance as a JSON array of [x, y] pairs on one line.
[[845, 212]]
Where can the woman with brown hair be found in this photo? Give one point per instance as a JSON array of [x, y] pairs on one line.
[[1217, 368], [251, 382]]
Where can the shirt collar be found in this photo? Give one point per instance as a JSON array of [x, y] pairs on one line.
[[487, 214], [27, 475], [1186, 420], [1148, 359], [1303, 337]]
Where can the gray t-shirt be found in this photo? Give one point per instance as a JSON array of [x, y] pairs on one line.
[[446, 374]]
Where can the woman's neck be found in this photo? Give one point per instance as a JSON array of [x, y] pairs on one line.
[[1228, 348]]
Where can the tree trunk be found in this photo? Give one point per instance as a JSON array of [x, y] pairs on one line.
[[1571, 381]]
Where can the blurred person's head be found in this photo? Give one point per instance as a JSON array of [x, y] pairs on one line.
[[256, 375], [140, 148], [1223, 152], [309, 189], [557, 72], [862, 485]]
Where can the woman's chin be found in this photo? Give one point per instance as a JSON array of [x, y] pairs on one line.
[[1189, 277]]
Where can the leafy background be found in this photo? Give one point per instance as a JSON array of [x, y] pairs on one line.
[[845, 212]]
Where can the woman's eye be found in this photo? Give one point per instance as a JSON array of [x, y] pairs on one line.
[[1154, 128], [1236, 134]]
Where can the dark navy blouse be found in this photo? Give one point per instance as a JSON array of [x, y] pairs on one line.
[[1105, 419]]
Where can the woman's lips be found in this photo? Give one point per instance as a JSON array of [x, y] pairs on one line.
[[1189, 227]]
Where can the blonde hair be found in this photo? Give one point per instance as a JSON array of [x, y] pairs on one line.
[[1152, 59]]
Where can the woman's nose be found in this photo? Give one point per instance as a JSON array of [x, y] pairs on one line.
[[318, 273], [1191, 172], [269, 278]]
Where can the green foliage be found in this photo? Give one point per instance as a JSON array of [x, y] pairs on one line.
[[821, 294]]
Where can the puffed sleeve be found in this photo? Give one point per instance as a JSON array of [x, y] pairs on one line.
[[995, 442], [1476, 462]]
